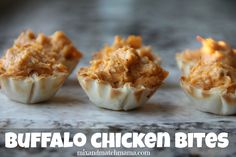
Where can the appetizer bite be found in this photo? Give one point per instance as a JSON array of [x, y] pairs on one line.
[[211, 51], [34, 68], [211, 81], [58, 46], [122, 76]]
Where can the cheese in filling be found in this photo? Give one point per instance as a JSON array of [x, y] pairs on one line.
[[126, 62]]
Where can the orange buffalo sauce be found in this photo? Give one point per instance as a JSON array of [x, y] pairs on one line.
[[126, 61], [40, 54], [211, 51], [28, 60], [207, 76], [214, 64]]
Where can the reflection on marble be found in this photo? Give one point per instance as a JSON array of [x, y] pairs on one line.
[[168, 26]]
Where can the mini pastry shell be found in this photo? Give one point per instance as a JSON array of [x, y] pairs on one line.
[[122, 76], [32, 89], [184, 66], [104, 95], [216, 100], [31, 71]]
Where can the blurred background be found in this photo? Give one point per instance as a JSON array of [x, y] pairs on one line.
[[168, 26]]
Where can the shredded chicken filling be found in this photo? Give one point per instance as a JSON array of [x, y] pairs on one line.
[[214, 64], [57, 44], [28, 60], [39, 55], [208, 76], [210, 52], [126, 61]]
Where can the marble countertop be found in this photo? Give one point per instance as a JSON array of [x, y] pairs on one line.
[[169, 27]]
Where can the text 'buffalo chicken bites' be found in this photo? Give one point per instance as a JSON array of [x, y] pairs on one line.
[[58, 46], [122, 76], [211, 81], [30, 71], [211, 51]]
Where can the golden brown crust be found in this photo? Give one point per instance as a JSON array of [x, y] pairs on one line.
[[115, 93], [126, 62]]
